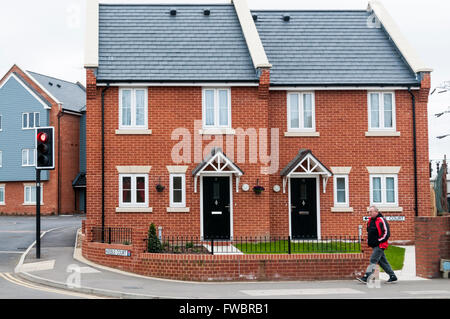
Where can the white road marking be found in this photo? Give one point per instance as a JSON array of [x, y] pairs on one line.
[[427, 292], [10, 252], [297, 292], [88, 270], [38, 266], [16, 281]]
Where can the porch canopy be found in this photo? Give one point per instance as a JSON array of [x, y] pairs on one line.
[[217, 163], [305, 164]]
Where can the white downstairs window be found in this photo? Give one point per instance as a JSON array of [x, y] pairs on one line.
[[2, 194], [177, 190], [30, 194], [384, 190], [133, 190], [341, 191]]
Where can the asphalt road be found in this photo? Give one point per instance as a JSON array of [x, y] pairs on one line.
[[17, 233]]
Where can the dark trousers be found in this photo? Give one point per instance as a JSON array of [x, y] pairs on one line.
[[378, 257]]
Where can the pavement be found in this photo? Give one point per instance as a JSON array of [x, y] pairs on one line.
[[62, 266]]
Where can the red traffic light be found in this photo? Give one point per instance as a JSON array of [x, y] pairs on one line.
[[42, 137]]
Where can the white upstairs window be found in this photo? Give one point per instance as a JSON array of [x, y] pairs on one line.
[[216, 108], [301, 112], [381, 111], [133, 108], [28, 157], [31, 120]]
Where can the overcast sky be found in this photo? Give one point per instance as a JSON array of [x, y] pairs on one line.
[[47, 36]]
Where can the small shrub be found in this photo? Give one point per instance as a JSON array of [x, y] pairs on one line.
[[153, 243]]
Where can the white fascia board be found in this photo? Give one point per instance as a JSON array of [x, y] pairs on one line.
[[408, 52], [91, 39], [251, 35], [182, 84], [341, 88]]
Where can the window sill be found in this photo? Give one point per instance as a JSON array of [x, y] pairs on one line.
[[382, 134], [342, 209], [382, 209], [301, 134], [133, 132], [217, 131], [31, 204], [134, 209], [178, 209]]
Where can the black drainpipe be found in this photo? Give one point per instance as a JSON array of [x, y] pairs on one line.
[[416, 204], [103, 162]]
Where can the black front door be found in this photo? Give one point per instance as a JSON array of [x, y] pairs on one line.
[[216, 208], [303, 208]]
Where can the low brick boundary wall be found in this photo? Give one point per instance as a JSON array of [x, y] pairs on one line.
[[432, 244], [231, 267]]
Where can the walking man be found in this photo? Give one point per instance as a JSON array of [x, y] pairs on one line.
[[377, 237]]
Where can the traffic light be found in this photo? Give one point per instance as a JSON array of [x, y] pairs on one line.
[[45, 148]]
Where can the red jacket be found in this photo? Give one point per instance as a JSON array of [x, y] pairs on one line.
[[378, 232]]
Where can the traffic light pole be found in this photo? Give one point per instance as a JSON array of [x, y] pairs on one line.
[[38, 213]]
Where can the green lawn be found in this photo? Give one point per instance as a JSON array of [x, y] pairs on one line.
[[303, 247], [395, 256]]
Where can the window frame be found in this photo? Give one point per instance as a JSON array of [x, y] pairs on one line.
[[216, 124], [1, 159], [347, 195], [301, 111], [383, 178], [182, 204], [28, 157], [133, 203], [28, 120], [2, 190], [1, 123], [382, 127], [133, 108], [25, 195]]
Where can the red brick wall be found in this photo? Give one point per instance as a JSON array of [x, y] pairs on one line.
[[14, 199], [432, 244], [231, 267], [341, 119]]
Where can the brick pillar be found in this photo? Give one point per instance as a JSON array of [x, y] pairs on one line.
[[93, 151], [432, 245], [264, 177], [423, 168], [264, 84]]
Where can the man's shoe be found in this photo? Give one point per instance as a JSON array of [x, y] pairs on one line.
[[392, 279], [363, 279]]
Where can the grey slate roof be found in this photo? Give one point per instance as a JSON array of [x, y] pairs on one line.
[[146, 43], [71, 95], [329, 47]]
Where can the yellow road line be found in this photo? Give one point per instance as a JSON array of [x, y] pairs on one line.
[[16, 281]]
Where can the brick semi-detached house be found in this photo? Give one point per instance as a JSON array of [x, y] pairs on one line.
[[326, 110], [29, 100]]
